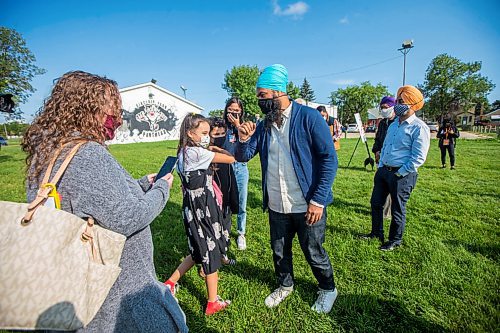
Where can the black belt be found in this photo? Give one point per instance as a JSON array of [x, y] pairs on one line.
[[391, 168]]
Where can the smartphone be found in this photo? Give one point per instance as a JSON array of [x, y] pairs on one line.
[[167, 167]]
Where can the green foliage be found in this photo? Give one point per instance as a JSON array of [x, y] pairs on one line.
[[443, 279], [357, 99], [495, 105], [17, 66], [450, 83], [14, 128], [241, 82], [292, 90], [306, 91], [216, 113]]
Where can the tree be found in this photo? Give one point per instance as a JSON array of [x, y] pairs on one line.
[[451, 84], [216, 113], [306, 92], [292, 90], [495, 105], [17, 66], [357, 99], [240, 82]]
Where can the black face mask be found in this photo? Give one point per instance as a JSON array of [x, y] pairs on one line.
[[219, 142], [267, 105]]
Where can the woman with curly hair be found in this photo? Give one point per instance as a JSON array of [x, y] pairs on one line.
[[87, 107]]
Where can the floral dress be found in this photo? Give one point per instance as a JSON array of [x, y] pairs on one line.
[[203, 220]]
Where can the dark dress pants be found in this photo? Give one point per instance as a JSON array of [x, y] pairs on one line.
[[283, 228], [451, 151], [399, 188]]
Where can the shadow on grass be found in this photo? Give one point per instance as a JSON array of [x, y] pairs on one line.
[[490, 251], [356, 168], [356, 207], [366, 313], [4, 158]]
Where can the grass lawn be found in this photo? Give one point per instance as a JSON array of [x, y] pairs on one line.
[[444, 278]]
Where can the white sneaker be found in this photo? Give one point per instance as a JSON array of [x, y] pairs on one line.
[[277, 296], [242, 242], [325, 301]]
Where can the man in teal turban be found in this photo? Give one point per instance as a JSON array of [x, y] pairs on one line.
[[298, 163]]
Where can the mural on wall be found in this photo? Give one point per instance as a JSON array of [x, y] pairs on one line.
[[151, 120]]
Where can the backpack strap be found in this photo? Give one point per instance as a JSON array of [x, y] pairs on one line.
[[44, 192]]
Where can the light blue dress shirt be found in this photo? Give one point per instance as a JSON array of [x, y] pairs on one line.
[[406, 145]]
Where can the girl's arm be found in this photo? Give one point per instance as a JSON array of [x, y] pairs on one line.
[[224, 158]]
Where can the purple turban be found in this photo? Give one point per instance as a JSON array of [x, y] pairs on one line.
[[389, 100]]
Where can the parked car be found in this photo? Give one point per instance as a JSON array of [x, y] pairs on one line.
[[433, 126], [3, 142], [371, 129], [352, 128]]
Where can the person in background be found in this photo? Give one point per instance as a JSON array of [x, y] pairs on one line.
[[201, 208], [234, 115], [87, 107], [405, 149], [448, 135], [333, 124], [387, 112], [299, 164], [224, 174], [257, 119]]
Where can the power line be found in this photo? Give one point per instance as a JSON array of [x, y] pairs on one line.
[[354, 69]]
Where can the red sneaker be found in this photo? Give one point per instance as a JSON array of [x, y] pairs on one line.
[[217, 306], [171, 287]]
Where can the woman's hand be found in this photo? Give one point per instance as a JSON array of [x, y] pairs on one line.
[[169, 178], [234, 120], [151, 177]]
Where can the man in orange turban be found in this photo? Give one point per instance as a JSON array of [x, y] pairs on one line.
[[404, 151]]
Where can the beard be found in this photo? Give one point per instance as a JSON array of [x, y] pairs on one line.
[[274, 116]]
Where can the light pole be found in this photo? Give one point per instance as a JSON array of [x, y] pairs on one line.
[[406, 47], [184, 90]]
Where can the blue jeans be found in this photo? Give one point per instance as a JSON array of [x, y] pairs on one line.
[[399, 188], [283, 228], [241, 174]]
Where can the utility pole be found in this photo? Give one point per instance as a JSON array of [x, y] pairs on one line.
[[406, 47]]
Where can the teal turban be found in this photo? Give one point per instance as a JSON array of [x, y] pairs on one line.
[[274, 77]]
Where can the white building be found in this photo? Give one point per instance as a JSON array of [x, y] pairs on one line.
[[151, 113]]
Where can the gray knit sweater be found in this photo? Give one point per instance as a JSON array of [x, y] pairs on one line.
[[94, 184]]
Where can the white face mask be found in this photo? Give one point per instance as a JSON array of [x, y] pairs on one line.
[[205, 141], [387, 113]]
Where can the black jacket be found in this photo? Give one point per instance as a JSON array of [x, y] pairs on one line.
[[383, 125], [226, 180], [442, 134]]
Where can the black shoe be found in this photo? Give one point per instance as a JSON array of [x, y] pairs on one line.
[[452, 167], [389, 246], [371, 236], [443, 166]]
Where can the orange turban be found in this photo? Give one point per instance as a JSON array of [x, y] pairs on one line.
[[411, 96]]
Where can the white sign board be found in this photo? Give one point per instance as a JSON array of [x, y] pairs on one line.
[[360, 127]]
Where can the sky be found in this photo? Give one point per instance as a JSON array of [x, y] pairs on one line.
[[194, 43]]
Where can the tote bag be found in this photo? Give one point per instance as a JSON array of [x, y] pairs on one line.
[[56, 269]]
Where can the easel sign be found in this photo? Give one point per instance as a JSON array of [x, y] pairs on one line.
[[362, 137]]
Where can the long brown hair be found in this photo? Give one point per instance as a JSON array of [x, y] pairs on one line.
[[74, 110]]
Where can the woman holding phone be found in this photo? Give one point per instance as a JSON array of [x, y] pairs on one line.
[[234, 115]]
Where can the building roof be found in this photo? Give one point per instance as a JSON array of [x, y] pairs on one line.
[[492, 113], [151, 84]]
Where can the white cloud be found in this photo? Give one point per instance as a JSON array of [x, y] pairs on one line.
[[296, 10], [343, 82], [344, 20]]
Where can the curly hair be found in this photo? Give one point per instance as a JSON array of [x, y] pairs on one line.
[[74, 111]]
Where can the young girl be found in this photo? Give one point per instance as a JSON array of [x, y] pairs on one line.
[[202, 214]]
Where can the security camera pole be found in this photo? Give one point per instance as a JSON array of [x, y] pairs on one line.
[[406, 47]]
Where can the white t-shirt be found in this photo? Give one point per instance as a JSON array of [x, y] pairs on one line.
[[197, 158]]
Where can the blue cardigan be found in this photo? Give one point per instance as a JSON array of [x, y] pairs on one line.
[[313, 155]]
